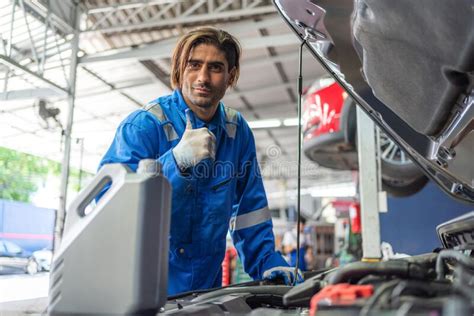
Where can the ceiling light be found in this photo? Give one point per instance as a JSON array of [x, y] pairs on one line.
[[25, 61], [290, 121], [330, 190], [265, 123]]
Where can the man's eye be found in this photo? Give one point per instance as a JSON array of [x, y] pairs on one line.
[[216, 68], [193, 65]]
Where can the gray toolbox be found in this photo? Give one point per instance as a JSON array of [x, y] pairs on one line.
[[114, 260]]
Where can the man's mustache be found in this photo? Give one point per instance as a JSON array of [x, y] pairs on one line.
[[202, 86]]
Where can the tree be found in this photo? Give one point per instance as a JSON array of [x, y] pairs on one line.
[[20, 174]]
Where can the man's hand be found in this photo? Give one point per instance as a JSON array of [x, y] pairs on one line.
[[287, 274], [194, 146]]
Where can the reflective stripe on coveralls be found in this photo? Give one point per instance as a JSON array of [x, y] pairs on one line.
[[154, 107], [250, 219], [231, 117]]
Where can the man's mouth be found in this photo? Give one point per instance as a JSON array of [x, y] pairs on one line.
[[202, 90]]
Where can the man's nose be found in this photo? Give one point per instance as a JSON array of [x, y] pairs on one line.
[[203, 75]]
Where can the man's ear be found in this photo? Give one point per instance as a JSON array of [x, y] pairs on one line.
[[231, 77]]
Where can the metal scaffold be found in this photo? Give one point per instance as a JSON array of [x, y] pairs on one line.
[[39, 58]]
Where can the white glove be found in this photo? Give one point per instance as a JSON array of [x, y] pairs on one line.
[[194, 146], [287, 274]]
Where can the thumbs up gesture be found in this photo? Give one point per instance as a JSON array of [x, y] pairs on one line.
[[194, 146]]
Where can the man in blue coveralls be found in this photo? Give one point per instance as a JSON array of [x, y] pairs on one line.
[[207, 152]]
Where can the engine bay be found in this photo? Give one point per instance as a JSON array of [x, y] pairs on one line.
[[437, 283]]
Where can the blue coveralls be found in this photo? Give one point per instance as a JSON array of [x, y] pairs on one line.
[[226, 194]]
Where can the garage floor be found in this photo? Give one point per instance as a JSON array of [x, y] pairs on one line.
[[23, 294]]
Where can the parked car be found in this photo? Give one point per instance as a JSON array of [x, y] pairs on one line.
[[330, 128], [14, 259], [43, 258]]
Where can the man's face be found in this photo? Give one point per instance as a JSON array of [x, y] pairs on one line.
[[205, 79]]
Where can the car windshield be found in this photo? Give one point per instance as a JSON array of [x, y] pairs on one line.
[[11, 247]]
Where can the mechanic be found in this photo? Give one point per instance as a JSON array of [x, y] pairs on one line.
[[289, 245], [207, 152]]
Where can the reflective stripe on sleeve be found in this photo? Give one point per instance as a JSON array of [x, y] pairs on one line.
[[231, 129], [170, 132], [231, 118], [155, 109], [231, 115], [250, 219]]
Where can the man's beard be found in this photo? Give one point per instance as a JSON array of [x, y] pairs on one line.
[[203, 101]]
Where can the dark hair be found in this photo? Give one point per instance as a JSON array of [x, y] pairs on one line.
[[205, 35]]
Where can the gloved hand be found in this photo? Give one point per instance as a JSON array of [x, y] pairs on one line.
[[194, 146], [287, 274]]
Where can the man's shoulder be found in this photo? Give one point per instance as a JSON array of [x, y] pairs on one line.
[[231, 115], [141, 119], [161, 108], [164, 100], [235, 117]]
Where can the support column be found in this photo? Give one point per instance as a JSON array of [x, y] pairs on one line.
[[61, 213], [368, 186]]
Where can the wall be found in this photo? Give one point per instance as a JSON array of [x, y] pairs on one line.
[[410, 224], [28, 226]]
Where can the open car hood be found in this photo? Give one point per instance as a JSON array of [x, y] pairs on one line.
[[409, 65]]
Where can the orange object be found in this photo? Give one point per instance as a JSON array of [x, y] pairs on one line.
[[340, 294], [354, 213], [226, 269], [230, 253]]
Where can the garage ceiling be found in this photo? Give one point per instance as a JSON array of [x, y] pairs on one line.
[[124, 63]]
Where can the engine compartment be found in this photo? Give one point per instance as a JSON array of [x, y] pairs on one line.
[[437, 283], [431, 284]]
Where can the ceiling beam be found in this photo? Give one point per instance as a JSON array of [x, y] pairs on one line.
[[209, 16], [257, 61], [127, 6], [17, 67], [27, 94], [164, 48], [117, 87], [158, 72], [112, 87], [281, 86], [46, 12]]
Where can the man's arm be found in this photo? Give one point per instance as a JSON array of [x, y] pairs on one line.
[[140, 136], [251, 225]]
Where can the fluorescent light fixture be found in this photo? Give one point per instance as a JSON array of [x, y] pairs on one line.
[[290, 121], [265, 123], [25, 61], [343, 190], [330, 190]]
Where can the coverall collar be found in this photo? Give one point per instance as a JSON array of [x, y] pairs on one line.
[[217, 120]]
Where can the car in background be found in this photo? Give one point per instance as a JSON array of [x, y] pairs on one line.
[[43, 258], [14, 259], [330, 139]]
